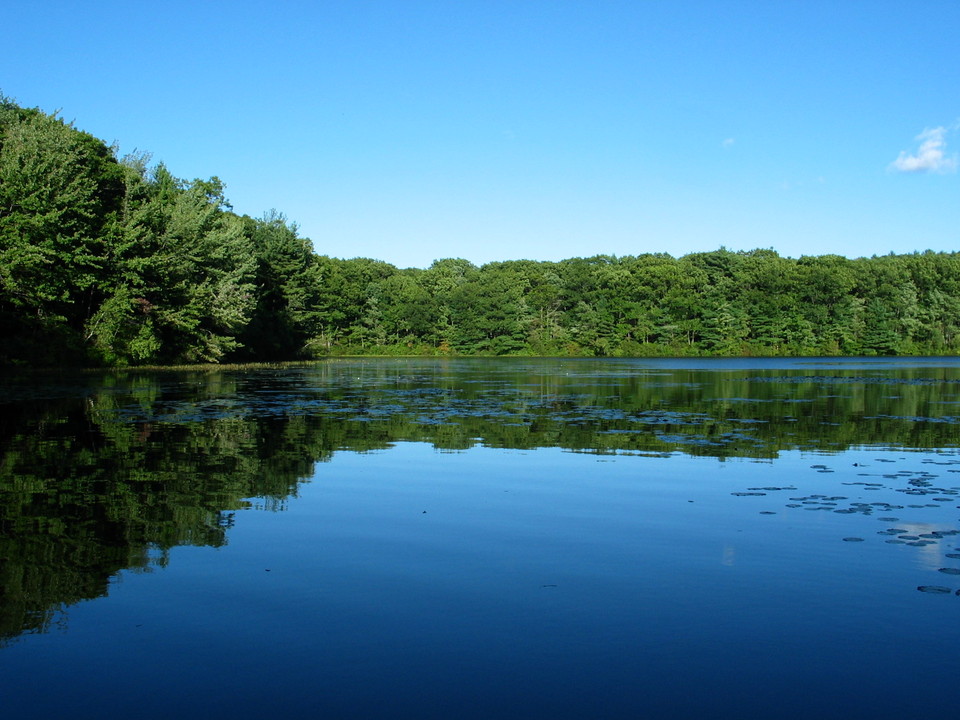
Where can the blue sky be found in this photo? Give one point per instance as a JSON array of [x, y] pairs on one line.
[[497, 130]]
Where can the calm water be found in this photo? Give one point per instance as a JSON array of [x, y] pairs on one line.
[[479, 539]]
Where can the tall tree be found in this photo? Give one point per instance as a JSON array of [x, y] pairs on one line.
[[60, 190], [184, 281], [282, 321]]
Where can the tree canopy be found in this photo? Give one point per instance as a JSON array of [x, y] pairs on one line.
[[114, 261]]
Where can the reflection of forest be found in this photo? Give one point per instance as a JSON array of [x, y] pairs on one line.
[[133, 465]]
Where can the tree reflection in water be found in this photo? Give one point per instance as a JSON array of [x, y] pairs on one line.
[[104, 473]]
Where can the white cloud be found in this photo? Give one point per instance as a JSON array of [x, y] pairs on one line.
[[728, 142], [930, 156]]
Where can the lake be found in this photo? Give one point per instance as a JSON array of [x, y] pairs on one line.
[[476, 538]]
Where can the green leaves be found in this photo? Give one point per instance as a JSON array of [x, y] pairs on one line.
[[50, 215], [59, 193], [121, 263]]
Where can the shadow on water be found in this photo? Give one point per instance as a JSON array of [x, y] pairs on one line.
[[104, 473]]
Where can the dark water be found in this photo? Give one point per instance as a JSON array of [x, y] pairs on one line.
[[478, 539]]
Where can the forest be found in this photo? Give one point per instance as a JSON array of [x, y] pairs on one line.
[[112, 261]]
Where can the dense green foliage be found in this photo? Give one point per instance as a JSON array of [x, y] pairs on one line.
[[110, 261]]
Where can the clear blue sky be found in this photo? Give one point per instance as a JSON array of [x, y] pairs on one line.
[[500, 129]]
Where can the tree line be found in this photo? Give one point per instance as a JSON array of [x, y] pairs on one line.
[[114, 261]]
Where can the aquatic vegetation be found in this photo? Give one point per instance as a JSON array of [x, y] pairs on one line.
[[171, 457]]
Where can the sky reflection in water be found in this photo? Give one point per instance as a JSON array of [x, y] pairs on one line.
[[522, 539]]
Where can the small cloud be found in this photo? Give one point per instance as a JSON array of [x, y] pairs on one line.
[[728, 142], [930, 157]]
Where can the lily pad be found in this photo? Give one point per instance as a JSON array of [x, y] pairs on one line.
[[934, 589]]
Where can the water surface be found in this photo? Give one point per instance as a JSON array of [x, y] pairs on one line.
[[477, 538]]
